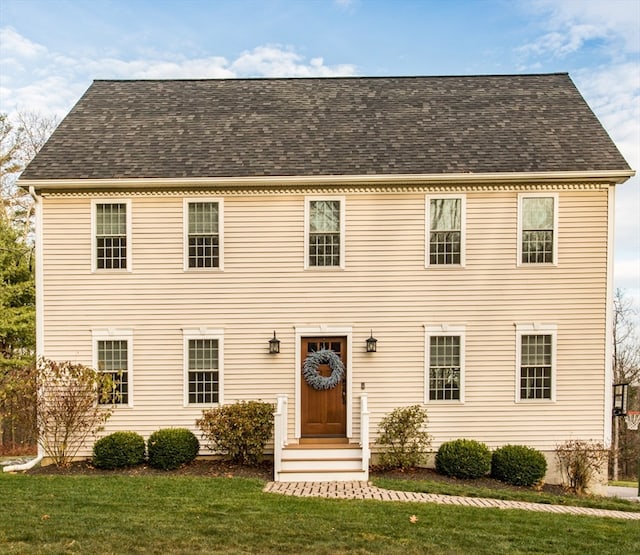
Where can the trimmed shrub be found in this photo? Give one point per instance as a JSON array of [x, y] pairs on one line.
[[403, 439], [239, 431], [170, 448], [518, 465], [463, 458], [118, 450]]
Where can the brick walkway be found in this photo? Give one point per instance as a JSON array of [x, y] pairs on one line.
[[364, 490]]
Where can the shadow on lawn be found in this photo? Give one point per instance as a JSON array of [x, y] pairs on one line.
[[221, 468]]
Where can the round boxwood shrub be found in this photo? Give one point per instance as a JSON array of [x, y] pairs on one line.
[[463, 458], [170, 448], [518, 465], [118, 450]]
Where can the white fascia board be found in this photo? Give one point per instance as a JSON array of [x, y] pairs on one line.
[[610, 176]]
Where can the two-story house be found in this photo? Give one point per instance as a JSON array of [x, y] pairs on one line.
[[203, 239]]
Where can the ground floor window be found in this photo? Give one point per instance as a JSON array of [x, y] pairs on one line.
[[536, 362], [113, 355], [445, 349], [203, 368]]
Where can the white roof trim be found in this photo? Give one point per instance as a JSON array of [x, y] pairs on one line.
[[611, 176]]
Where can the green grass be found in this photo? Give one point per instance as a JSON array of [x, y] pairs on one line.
[[193, 515], [624, 483], [531, 496]]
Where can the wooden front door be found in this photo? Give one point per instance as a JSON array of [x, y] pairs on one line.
[[324, 412]]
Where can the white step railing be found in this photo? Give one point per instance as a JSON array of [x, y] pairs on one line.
[[280, 437], [279, 433], [364, 431]]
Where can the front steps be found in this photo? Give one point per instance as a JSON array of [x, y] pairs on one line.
[[322, 461]]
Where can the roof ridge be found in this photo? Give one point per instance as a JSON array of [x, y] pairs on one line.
[[329, 78]]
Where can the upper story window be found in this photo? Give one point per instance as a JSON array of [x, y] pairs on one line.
[[203, 234], [203, 367], [538, 224], [445, 230], [112, 225], [324, 236], [536, 345], [445, 356], [113, 355]]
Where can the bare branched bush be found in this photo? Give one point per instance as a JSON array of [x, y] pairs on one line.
[[73, 403], [580, 462]]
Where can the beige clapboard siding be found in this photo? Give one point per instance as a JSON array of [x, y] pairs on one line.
[[385, 287]]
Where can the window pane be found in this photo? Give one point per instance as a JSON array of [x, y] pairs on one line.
[[444, 368], [537, 213], [324, 233], [113, 359], [537, 246], [324, 216], [203, 241], [444, 247], [445, 214], [111, 252], [324, 249], [537, 230], [204, 252], [111, 236], [111, 219], [203, 218], [535, 371], [203, 373]]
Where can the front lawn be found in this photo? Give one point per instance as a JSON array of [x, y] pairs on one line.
[[109, 514]]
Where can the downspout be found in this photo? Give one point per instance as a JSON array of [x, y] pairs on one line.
[[39, 319]]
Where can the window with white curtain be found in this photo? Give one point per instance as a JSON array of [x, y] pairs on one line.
[[324, 233]]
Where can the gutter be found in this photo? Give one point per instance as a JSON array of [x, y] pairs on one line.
[[155, 183]]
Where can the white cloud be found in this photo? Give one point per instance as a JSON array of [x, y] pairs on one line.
[[12, 42], [571, 23], [274, 61], [613, 92], [39, 80]]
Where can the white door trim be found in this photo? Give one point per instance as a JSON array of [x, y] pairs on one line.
[[315, 331]]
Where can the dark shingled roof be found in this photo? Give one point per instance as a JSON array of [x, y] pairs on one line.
[[327, 126]]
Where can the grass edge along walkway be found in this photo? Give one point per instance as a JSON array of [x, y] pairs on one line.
[[365, 490]]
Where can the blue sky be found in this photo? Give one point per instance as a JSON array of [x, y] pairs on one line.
[[50, 50]]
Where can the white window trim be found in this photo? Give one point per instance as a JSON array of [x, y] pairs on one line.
[[94, 254], [427, 230], [536, 328], [307, 204], [555, 197], [439, 330], [185, 233], [202, 333], [113, 334]]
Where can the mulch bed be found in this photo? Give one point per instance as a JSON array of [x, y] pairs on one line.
[[200, 467], [432, 476]]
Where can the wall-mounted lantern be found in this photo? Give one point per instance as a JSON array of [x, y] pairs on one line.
[[274, 345], [372, 343], [620, 399]]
